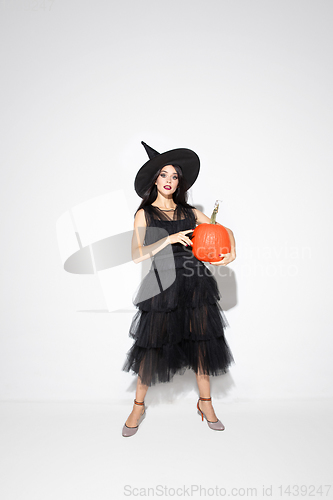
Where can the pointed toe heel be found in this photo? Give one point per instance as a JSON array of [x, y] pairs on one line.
[[216, 426], [130, 431]]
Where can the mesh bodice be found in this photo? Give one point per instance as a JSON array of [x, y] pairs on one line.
[[157, 214], [172, 221]]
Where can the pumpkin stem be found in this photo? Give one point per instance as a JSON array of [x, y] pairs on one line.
[[216, 209]]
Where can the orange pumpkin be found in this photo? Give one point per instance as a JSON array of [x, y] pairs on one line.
[[210, 239]]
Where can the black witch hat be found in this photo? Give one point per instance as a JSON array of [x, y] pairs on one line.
[[187, 159]]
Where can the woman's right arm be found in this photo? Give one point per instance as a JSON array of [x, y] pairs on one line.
[[142, 252]]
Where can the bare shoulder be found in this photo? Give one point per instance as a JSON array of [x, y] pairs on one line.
[[140, 218], [200, 216], [203, 219]]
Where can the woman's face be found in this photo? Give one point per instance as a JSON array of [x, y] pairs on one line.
[[167, 181]]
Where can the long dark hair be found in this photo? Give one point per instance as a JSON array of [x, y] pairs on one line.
[[180, 196]]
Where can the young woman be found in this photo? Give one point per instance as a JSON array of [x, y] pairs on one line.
[[179, 323]]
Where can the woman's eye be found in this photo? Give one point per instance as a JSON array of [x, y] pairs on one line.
[[175, 177]]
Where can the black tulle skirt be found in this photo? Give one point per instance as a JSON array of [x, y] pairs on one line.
[[181, 327]]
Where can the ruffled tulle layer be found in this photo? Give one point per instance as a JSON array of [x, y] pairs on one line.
[[186, 283], [181, 327], [160, 364]]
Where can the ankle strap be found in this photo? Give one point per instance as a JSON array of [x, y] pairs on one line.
[[205, 399], [138, 402]]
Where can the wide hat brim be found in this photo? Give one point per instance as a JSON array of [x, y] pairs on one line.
[[187, 159]]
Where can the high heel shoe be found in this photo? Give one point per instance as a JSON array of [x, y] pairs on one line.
[[217, 425], [130, 431]]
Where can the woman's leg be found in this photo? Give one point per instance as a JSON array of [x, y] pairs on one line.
[[204, 392], [140, 394]]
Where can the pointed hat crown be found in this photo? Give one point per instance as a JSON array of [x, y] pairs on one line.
[[150, 151]]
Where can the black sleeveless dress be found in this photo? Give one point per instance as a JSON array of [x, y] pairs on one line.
[[179, 324]]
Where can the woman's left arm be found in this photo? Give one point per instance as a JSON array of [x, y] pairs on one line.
[[228, 257]]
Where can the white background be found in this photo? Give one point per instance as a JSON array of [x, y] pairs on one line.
[[247, 86]]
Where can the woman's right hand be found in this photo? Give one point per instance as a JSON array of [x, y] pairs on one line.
[[180, 237]]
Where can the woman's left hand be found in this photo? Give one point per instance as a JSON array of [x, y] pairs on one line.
[[228, 257]]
